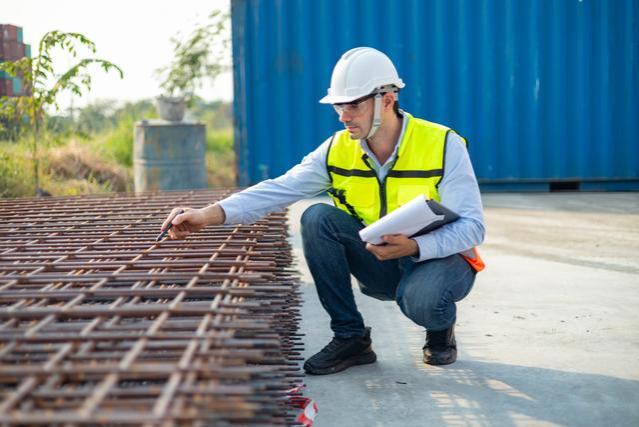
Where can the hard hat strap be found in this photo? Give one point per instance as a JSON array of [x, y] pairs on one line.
[[377, 115]]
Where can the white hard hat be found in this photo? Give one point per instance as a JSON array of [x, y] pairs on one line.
[[359, 72]]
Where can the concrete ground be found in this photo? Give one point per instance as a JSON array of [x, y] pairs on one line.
[[548, 336]]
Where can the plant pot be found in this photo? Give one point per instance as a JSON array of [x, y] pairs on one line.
[[171, 108]]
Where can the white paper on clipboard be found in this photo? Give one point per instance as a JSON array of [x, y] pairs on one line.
[[418, 216]]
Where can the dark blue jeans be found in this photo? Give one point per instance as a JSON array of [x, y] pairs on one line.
[[426, 291]]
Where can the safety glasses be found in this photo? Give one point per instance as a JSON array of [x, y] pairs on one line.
[[353, 108]]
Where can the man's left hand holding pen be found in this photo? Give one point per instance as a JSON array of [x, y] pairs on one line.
[[186, 220]]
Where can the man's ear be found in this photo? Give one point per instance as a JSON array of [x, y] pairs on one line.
[[388, 101]]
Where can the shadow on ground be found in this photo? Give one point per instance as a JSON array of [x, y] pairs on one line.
[[478, 393]]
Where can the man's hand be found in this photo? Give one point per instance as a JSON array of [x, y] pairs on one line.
[[192, 220], [397, 246]]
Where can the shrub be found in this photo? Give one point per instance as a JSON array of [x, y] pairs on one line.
[[16, 178]]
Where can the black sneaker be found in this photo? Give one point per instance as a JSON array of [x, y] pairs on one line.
[[440, 347], [341, 354]]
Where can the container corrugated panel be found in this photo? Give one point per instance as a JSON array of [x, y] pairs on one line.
[[6, 87], [544, 90], [10, 50], [8, 32], [17, 85]]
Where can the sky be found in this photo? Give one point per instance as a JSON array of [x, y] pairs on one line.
[[134, 34]]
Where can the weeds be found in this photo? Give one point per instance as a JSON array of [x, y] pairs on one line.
[[16, 172], [220, 158], [95, 155]]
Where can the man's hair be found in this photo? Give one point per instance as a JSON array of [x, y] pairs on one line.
[[393, 89], [396, 108]]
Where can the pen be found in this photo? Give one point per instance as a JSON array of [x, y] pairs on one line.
[[168, 227]]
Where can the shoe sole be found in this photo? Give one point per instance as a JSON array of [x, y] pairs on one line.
[[359, 359], [438, 362]]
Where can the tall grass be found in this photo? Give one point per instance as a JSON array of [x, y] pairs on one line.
[[220, 158], [117, 143], [98, 157], [16, 171], [65, 170]]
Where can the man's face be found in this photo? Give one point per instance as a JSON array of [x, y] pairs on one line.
[[356, 116]]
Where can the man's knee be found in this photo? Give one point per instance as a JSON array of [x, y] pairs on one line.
[[428, 297], [313, 218], [419, 303], [321, 216], [314, 214]]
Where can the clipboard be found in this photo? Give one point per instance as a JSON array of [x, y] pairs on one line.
[[438, 209], [418, 216]]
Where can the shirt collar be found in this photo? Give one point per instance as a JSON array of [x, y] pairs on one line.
[[367, 150]]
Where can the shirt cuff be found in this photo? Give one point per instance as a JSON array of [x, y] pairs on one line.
[[427, 248], [231, 213]]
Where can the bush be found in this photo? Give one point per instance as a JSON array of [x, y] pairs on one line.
[[70, 169], [116, 141], [16, 172], [220, 158], [79, 159], [80, 163]]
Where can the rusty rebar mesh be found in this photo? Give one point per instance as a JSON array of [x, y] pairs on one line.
[[99, 324]]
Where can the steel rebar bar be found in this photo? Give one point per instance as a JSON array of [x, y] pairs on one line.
[[100, 324]]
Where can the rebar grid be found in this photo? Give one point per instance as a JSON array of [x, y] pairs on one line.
[[99, 324]]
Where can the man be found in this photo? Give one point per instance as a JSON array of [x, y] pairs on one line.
[[384, 158]]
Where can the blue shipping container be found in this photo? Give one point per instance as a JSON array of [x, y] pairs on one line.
[[17, 86], [545, 91]]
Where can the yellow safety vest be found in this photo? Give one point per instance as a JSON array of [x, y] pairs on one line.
[[418, 168]]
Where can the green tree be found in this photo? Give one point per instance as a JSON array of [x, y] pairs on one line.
[[202, 55], [96, 116], [43, 85]]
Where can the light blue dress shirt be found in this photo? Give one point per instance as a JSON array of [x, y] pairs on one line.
[[458, 190]]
